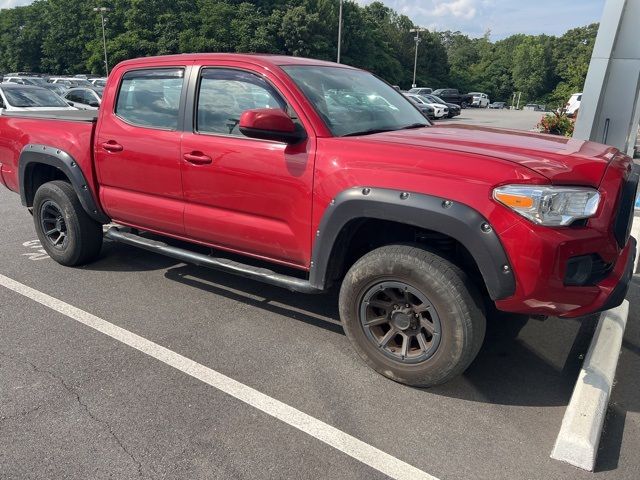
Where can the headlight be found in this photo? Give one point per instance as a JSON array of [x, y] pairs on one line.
[[551, 206]]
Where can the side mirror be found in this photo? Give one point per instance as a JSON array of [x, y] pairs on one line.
[[71, 104], [270, 124], [94, 104]]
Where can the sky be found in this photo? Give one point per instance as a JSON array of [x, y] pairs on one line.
[[475, 17], [502, 17]]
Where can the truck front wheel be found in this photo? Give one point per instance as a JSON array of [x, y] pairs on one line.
[[67, 233], [412, 315]]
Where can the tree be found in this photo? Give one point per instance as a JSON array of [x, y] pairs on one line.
[[65, 36], [532, 67]]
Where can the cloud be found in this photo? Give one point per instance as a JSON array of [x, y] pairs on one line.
[[13, 3], [457, 8], [502, 17]]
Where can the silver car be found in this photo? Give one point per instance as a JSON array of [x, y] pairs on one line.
[[28, 98], [84, 98]]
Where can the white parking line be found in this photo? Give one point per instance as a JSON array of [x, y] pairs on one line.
[[361, 451]]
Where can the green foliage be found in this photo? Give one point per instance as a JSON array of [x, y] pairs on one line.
[[556, 124], [65, 36]]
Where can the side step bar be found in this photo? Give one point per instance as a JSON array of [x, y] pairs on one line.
[[224, 264]]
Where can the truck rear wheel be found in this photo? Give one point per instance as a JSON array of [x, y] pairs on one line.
[[67, 233], [412, 315]]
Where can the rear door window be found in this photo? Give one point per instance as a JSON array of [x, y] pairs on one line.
[[151, 98]]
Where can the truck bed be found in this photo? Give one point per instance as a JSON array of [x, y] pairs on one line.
[[68, 115]]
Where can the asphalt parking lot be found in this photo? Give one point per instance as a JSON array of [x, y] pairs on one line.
[[516, 119], [76, 403]]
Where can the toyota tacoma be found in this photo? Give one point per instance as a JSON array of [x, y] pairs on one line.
[[333, 178]]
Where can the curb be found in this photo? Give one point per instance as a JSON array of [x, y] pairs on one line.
[[635, 233], [577, 442]]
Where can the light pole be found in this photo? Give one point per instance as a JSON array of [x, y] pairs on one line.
[[417, 39], [102, 11], [340, 31]]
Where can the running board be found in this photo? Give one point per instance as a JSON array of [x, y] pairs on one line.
[[224, 264]]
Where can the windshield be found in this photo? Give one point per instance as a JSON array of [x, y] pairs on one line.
[[34, 81], [437, 99], [33, 97], [353, 102]]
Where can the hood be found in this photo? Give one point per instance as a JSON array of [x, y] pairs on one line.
[[564, 161]]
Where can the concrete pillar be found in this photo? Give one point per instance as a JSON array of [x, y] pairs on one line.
[[610, 108]]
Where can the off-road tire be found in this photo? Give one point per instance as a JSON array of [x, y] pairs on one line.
[[84, 235], [451, 293]]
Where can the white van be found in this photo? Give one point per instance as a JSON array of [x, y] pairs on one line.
[[573, 105]]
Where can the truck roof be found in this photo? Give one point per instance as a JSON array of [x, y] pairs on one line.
[[261, 59]]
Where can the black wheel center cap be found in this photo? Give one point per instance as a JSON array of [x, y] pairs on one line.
[[401, 320]]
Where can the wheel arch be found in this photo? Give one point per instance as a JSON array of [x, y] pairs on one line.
[[454, 220], [41, 163]]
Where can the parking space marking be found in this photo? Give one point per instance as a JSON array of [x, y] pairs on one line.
[[355, 448]]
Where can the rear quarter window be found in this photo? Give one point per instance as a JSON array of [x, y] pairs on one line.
[[151, 98]]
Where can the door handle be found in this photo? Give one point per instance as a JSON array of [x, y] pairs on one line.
[[197, 158], [112, 146]]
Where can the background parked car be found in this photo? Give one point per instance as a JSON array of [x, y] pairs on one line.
[[30, 98], [427, 110], [534, 106], [420, 91], [84, 98], [498, 105], [439, 110], [454, 110], [480, 100], [99, 82], [573, 105], [24, 80], [57, 88], [70, 82], [451, 95]]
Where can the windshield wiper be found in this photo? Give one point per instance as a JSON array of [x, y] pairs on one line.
[[414, 125], [382, 130], [368, 132]]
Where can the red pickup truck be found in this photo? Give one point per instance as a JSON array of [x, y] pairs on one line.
[[334, 178]]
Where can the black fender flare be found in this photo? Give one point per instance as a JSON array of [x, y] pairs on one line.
[[456, 220], [55, 157]]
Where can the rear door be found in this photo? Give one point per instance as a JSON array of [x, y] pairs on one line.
[[137, 149], [243, 194]]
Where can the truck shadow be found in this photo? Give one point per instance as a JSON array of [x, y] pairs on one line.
[[507, 370], [522, 361]]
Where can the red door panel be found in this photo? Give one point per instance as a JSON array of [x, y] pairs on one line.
[[137, 151], [254, 197], [243, 194]]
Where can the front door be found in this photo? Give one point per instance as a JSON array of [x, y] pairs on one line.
[[242, 194]]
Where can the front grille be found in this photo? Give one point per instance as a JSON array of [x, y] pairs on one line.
[[624, 219]]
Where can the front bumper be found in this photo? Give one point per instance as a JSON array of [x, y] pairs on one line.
[[541, 257], [547, 295]]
